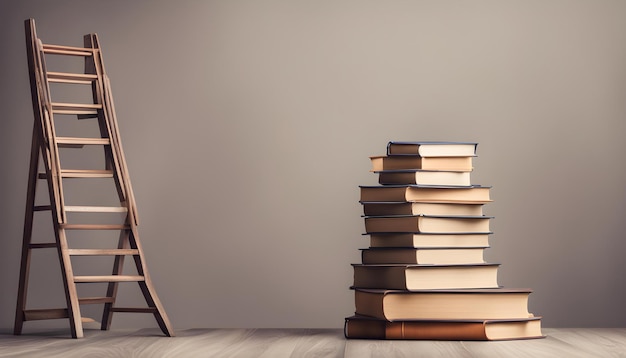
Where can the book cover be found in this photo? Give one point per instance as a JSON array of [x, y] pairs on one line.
[[361, 327], [426, 277], [432, 148], [475, 194], [399, 305], [422, 256], [428, 224]]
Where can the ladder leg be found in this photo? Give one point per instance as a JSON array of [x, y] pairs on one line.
[[147, 288], [71, 295], [118, 266], [28, 231]]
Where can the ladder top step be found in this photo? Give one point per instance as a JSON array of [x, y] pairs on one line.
[[96, 209], [67, 50], [110, 278]]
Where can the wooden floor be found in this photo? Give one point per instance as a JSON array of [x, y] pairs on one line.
[[276, 343]]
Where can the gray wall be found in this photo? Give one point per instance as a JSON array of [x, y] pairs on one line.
[[247, 127]]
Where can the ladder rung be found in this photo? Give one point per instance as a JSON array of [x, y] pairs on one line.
[[102, 252], [42, 207], [45, 245], [110, 278], [86, 173], [96, 209], [134, 309], [74, 142], [75, 78], [95, 300], [87, 319], [67, 50], [94, 227], [75, 108], [48, 313], [82, 173]]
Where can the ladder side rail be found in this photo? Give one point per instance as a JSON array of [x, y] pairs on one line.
[[34, 56], [22, 292], [49, 135], [109, 104], [132, 206], [118, 267], [53, 168], [147, 288], [94, 65]]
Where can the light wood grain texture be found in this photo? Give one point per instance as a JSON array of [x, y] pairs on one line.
[[277, 343]]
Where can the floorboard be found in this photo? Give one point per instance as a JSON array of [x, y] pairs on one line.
[[309, 343]]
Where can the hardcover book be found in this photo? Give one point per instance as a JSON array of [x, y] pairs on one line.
[[422, 256], [381, 162], [432, 149], [428, 224], [362, 327], [426, 277], [427, 194], [416, 208], [402, 305]]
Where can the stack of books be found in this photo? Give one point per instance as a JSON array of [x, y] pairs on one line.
[[424, 275]]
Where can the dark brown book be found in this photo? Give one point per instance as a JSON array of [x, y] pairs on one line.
[[401, 305], [426, 277], [360, 327]]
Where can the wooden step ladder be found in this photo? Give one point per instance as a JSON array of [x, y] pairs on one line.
[[45, 150]]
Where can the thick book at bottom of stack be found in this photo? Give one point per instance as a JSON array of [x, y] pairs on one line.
[[361, 327]]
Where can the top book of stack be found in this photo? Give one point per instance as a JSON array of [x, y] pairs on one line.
[[426, 156], [432, 149]]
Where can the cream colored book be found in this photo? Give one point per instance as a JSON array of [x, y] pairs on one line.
[[432, 148], [382, 162], [425, 194], [398, 305], [407, 208], [427, 224], [414, 240], [423, 256], [426, 277]]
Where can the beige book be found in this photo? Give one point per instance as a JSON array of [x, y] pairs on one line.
[[427, 224], [422, 256], [407, 208], [381, 162], [428, 240], [397, 305], [408, 193], [426, 277]]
